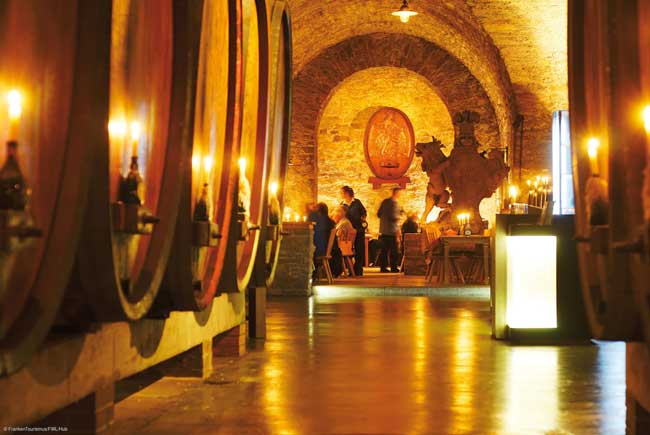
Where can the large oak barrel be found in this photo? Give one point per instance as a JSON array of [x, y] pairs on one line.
[[209, 185], [139, 159], [248, 215], [609, 156], [279, 124], [55, 57]]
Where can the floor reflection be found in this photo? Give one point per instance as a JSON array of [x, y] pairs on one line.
[[392, 365]]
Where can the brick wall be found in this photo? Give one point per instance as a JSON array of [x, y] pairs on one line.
[[515, 50], [316, 83], [295, 265], [342, 128]]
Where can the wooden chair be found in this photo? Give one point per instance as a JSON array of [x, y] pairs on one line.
[[346, 245], [323, 262]]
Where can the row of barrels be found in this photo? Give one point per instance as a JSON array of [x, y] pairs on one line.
[[151, 149], [609, 92]]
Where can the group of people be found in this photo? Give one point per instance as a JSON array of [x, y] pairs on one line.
[[348, 220]]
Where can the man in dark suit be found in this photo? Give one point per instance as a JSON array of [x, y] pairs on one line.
[[356, 213]]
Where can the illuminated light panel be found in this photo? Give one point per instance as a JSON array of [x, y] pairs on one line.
[[532, 286]]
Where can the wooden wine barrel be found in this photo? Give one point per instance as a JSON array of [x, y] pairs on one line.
[[248, 214], [641, 154], [605, 101], [54, 57], [139, 159], [209, 184], [279, 125]]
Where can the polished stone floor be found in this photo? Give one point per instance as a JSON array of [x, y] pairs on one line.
[[389, 365]]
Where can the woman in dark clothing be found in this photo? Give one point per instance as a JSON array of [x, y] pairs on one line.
[[323, 225], [356, 213], [319, 215]]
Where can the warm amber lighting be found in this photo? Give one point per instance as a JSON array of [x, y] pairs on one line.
[[646, 118], [404, 13], [196, 161], [117, 128], [592, 147], [242, 166], [513, 192], [136, 129], [273, 188], [15, 110], [15, 101], [207, 164], [592, 151]]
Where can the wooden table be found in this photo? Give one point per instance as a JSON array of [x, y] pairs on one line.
[[451, 242]]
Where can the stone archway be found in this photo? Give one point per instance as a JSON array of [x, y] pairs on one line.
[[315, 82]]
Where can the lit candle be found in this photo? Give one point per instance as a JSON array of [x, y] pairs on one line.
[[592, 151], [304, 218], [273, 189], [242, 167], [207, 165], [287, 217], [513, 192], [117, 130], [646, 118], [15, 110], [296, 217], [135, 137]]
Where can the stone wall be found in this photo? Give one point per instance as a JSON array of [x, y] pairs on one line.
[[515, 49], [532, 38], [316, 83], [342, 127], [295, 264]]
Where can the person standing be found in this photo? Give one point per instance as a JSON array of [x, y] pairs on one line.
[[356, 213], [389, 214]]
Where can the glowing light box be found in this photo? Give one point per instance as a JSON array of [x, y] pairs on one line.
[[531, 281]]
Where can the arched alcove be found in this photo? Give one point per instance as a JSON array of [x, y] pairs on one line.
[[343, 121], [457, 88]]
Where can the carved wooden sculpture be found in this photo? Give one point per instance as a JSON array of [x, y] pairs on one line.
[[466, 176]]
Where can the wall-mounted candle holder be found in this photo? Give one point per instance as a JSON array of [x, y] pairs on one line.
[[128, 214], [16, 221], [205, 233]]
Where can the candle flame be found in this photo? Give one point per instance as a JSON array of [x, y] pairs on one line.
[[207, 164], [15, 104], [592, 147], [646, 118], [242, 165], [513, 191], [136, 129], [273, 188]]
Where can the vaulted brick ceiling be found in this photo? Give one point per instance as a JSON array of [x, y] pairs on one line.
[[449, 24]]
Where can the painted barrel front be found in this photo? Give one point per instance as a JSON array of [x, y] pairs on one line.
[[54, 58], [248, 215], [209, 184], [279, 121], [608, 159], [137, 170]]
